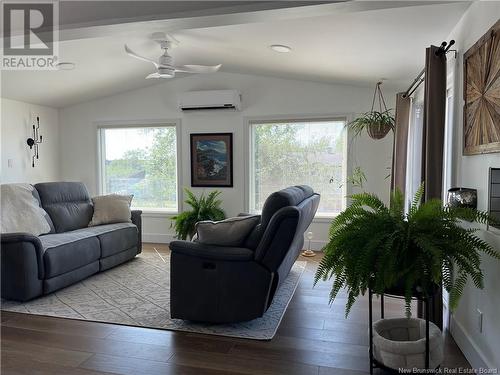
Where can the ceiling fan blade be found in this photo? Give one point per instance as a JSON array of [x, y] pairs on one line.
[[153, 75], [197, 68], [133, 54]]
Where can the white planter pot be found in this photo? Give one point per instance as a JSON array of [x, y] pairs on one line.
[[400, 343]]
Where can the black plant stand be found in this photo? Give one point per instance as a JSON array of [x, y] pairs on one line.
[[427, 302]]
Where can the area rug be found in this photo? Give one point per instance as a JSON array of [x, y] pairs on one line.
[[137, 293]]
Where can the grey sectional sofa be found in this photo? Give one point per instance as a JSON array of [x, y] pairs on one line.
[[35, 265]]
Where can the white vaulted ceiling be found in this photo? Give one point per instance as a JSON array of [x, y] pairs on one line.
[[352, 42]]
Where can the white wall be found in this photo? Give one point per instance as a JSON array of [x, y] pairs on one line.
[[16, 127], [262, 96], [481, 349]]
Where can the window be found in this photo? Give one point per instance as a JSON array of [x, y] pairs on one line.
[[448, 145], [415, 141], [141, 161], [298, 152]]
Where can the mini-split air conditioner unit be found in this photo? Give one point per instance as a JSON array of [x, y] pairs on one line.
[[209, 100]]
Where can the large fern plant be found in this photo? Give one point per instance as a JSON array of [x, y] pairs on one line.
[[374, 246], [203, 208]]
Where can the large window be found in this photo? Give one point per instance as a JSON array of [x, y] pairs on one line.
[[141, 161], [285, 153]]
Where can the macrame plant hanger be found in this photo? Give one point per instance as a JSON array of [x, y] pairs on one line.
[[378, 130]]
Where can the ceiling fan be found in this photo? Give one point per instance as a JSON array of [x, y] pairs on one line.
[[165, 67]]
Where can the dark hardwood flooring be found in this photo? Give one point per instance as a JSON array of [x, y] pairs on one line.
[[313, 338]]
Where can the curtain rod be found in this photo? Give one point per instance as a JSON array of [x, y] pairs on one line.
[[414, 85], [444, 48]]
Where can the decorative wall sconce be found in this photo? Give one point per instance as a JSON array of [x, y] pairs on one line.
[[35, 141]]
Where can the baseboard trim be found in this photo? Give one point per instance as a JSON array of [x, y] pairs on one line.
[[157, 238], [468, 346]]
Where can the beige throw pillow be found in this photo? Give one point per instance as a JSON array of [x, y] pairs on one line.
[[112, 208], [20, 210], [229, 232]]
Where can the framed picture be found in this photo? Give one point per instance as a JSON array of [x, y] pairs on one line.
[[212, 160], [481, 88]]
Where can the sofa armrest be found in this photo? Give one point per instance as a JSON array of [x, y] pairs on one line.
[[137, 221], [21, 266], [11, 240], [210, 252]]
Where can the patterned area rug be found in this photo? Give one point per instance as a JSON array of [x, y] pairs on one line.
[[137, 293]]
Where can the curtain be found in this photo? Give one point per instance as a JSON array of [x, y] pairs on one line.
[[400, 146], [434, 123], [433, 138], [419, 145]]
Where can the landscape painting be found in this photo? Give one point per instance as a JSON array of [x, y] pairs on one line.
[[212, 160]]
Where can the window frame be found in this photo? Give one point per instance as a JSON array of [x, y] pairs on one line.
[[138, 124], [249, 152]]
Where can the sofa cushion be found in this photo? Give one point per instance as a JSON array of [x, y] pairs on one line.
[[291, 196], [67, 203], [118, 240], [45, 214], [70, 256], [111, 208], [58, 239], [228, 232]]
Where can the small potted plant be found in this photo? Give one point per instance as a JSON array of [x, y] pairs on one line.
[[376, 123], [204, 208]]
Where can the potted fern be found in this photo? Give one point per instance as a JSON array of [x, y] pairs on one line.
[[203, 208], [379, 247]]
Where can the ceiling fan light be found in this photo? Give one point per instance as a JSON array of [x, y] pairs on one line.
[[166, 72], [280, 48]]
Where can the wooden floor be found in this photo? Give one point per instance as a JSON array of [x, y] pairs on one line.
[[313, 338]]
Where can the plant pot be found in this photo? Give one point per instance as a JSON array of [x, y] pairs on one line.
[[462, 198], [378, 131]]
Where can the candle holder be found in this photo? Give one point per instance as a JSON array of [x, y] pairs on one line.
[[309, 252]]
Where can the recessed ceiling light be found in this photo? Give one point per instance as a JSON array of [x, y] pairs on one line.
[[280, 48], [65, 66]]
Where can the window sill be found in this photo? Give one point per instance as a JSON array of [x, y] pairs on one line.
[[324, 218], [148, 212]]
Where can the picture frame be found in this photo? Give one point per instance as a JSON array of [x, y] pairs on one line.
[[481, 81], [211, 159]]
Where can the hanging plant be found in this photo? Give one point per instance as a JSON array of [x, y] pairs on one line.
[[376, 123]]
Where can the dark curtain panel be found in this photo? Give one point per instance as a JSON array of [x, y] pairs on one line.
[[400, 146], [433, 145], [434, 122]]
